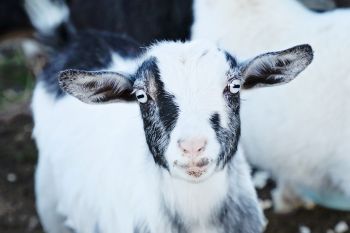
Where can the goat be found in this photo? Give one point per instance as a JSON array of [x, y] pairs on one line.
[[163, 156], [305, 131]]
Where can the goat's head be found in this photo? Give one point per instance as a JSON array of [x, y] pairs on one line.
[[189, 96]]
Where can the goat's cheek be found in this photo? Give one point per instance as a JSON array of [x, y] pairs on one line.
[[172, 152], [214, 148]]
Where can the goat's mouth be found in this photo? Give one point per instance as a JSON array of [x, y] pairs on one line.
[[195, 168]]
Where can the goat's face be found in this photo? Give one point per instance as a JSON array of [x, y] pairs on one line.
[[190, 113], [189, 96]]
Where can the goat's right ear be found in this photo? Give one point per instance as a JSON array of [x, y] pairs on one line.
[[95, 87], [276, 68]]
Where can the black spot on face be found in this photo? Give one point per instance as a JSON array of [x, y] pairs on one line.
[[227, 137], [215, 121], [231, 60], [159, 113], [168, 110]]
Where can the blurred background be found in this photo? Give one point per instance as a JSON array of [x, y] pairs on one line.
[[21, 58]]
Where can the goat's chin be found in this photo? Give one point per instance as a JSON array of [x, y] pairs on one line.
[[193, 175]]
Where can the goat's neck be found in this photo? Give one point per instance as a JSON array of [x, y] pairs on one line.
[[195, 202]]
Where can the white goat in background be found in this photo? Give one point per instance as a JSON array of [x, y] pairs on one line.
[[300, 132]]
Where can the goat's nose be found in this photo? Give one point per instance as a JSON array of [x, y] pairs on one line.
[[192, 147]]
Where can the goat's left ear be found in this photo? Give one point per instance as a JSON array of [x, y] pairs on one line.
[[277, 67], [94, 87]]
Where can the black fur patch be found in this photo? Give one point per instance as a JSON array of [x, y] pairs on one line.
[[231, 60], [156, 136], [240, 216], [168, 110], [215, 122], [90, 50], [60, 36], [159, 114], [228, 137]]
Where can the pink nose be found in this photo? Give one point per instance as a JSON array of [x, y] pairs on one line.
[[192, 147]]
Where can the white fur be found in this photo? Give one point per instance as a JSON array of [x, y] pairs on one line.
[[46, 15], [302, 136], [95, 171]]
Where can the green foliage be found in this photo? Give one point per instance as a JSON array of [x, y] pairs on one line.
[[16, 80]]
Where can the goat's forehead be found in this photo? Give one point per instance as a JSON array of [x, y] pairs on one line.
[[192, 67], [196, 75]]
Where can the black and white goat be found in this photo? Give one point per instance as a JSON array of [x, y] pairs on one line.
[[163, 156]]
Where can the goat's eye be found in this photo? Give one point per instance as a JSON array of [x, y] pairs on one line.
[[141, 96], [235, 86]]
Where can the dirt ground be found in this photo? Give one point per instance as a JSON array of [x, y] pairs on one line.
[[17, 164]]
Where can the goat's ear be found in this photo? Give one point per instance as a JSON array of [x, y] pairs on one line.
[[277, 67], [94, 87]]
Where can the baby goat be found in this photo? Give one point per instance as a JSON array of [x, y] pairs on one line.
[[163, 156]]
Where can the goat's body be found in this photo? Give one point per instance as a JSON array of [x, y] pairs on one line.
[[302, 136], [86, 191], [103, 178], [95, 171]]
